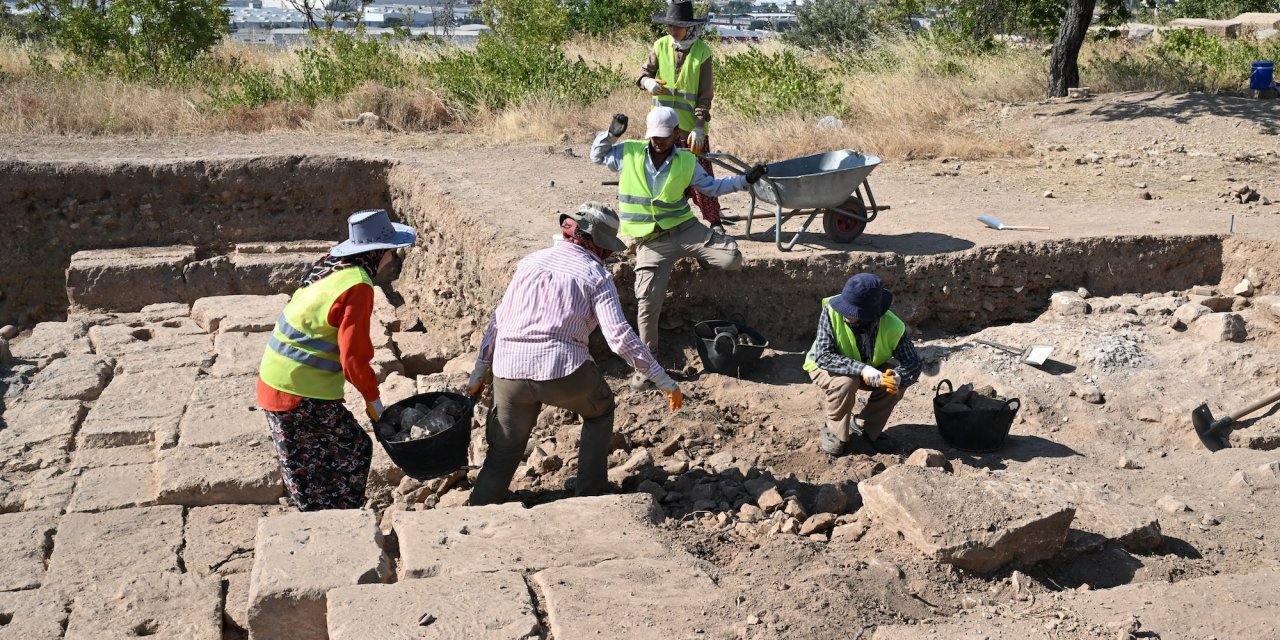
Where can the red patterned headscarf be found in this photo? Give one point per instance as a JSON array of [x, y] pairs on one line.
[[574, 235]]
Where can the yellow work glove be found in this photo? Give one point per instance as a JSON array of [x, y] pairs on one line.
[[890, 382], [655, 86], [374, 410], [675, 399]]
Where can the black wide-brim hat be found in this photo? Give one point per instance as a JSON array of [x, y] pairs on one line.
[[679, 14], [864, 298]]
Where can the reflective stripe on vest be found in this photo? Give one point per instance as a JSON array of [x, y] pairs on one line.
[[888, 335], [683, 96], [641, 211], [302, 357]]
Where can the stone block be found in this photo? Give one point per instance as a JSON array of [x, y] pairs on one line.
[[214, 276], [1259, 21], [127, 279], [383, 311], [115, 487], [77, 377], [169, 344], [47, 488], [1190, 312], [219, 543], [1104, 518], [238, 353], [927, 458], [97, 547], [29, 537], [113, 457], [1218, 28], [975, 522], [165, 606], [38, 614], [394, 611], [222, 410], [1220, 327], [162, 311], [645, 599], [31, 422], [299, 558], [238, 313], [420, 354], [51, 340], [270, 268], [1068, 303], [139, 408], [576, 531], [242, 472]]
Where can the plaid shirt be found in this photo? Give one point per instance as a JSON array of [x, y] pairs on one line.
[[829, 358]]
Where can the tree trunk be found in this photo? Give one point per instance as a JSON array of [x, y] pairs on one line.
[[1064, 70]]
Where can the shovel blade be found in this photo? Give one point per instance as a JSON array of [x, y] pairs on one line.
[[1202, 421], [1036, 354], [991, 222]]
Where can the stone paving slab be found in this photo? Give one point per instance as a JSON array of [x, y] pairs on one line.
[[165, 606], [219, 543], [238, 353], [113, 457], [242, 472], [29, 422], [127, 279], [38, 614], [51, 340], [139, 408], [577, 531], [117, 487], [29, 537], [222, 410], [276, 267], [125, 338], [45, 488], [219, 314], [637, 599], [299, 558], [72, 378], [491, 606], [94, 547]]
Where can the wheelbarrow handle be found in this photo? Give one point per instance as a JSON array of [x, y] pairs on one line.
[[728, 161]]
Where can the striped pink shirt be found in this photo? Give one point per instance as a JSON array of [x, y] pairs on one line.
[[556, 299]]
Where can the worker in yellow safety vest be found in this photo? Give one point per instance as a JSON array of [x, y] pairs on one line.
[[655, 211], [320, 342], [678, 74], [858, 339]]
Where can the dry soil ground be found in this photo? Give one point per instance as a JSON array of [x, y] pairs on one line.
[[1164, 531]]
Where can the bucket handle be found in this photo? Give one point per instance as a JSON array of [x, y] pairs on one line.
[[1012, 401], [937, 391]]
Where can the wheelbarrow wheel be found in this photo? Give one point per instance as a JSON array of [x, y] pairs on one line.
[[841, 228]]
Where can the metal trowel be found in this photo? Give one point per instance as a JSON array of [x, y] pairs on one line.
[[1035, 354]]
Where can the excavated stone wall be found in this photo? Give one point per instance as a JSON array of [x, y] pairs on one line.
[[52, 210]]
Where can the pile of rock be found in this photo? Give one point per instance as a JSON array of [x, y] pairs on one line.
[[1244, 195], [403, 424]]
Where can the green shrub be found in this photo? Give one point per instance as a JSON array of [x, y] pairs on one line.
[[1220, 9], [832, 25], [502, 72], [607, 17], [338, 62], [755, 84]]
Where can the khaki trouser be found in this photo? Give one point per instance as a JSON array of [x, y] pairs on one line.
[[516, 405], [656, 257], [841, 392]]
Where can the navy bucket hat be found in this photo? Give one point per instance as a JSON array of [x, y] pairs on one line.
[[864, 298]]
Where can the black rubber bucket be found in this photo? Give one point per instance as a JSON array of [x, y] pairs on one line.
[[981, 430], [437, 455], [738, 360]]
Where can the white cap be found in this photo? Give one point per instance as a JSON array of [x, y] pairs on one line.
[[662, 122]]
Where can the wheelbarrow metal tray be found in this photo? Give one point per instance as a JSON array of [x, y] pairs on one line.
[[817, 181]]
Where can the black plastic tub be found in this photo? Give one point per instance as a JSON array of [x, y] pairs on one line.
[[980, 430], [736, 362], [436, 455]]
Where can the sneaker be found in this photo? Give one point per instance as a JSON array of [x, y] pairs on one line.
[[639, 382], [830, 444], [719, 228], [883, 444]]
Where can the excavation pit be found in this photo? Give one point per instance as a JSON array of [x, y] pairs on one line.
[[172, 272]]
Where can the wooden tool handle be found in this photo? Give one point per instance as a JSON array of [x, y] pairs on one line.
[[1022, 228], [1271, 399], [999, 346]]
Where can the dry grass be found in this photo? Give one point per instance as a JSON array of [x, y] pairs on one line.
[[911, 100]]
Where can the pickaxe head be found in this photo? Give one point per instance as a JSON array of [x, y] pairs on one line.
[[1209, 430]]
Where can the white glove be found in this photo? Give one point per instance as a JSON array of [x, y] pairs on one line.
[[476, 384], [698, 138], [653, 86], [872, 376], [664, 382]]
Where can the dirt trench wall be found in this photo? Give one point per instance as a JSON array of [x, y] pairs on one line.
[[51, 210]]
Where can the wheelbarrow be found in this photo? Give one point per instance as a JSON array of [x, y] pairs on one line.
[[833, 184]]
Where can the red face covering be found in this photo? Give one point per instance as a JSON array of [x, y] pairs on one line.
[[574, 235]]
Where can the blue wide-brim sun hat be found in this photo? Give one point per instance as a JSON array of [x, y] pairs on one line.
[[863, 298], [372, 229]]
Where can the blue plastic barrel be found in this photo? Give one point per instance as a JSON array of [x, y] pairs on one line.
[[1262, 75]]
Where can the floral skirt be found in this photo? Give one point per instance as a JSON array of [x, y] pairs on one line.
[[324, 454]]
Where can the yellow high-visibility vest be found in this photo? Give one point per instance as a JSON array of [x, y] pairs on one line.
[[889, 334], [639, 209], [682, 88], [302, 357]]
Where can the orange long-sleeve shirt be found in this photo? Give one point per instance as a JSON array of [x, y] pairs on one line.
[[350, 313]]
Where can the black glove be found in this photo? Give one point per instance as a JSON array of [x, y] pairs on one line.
[[619, 125], [756, 172]]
